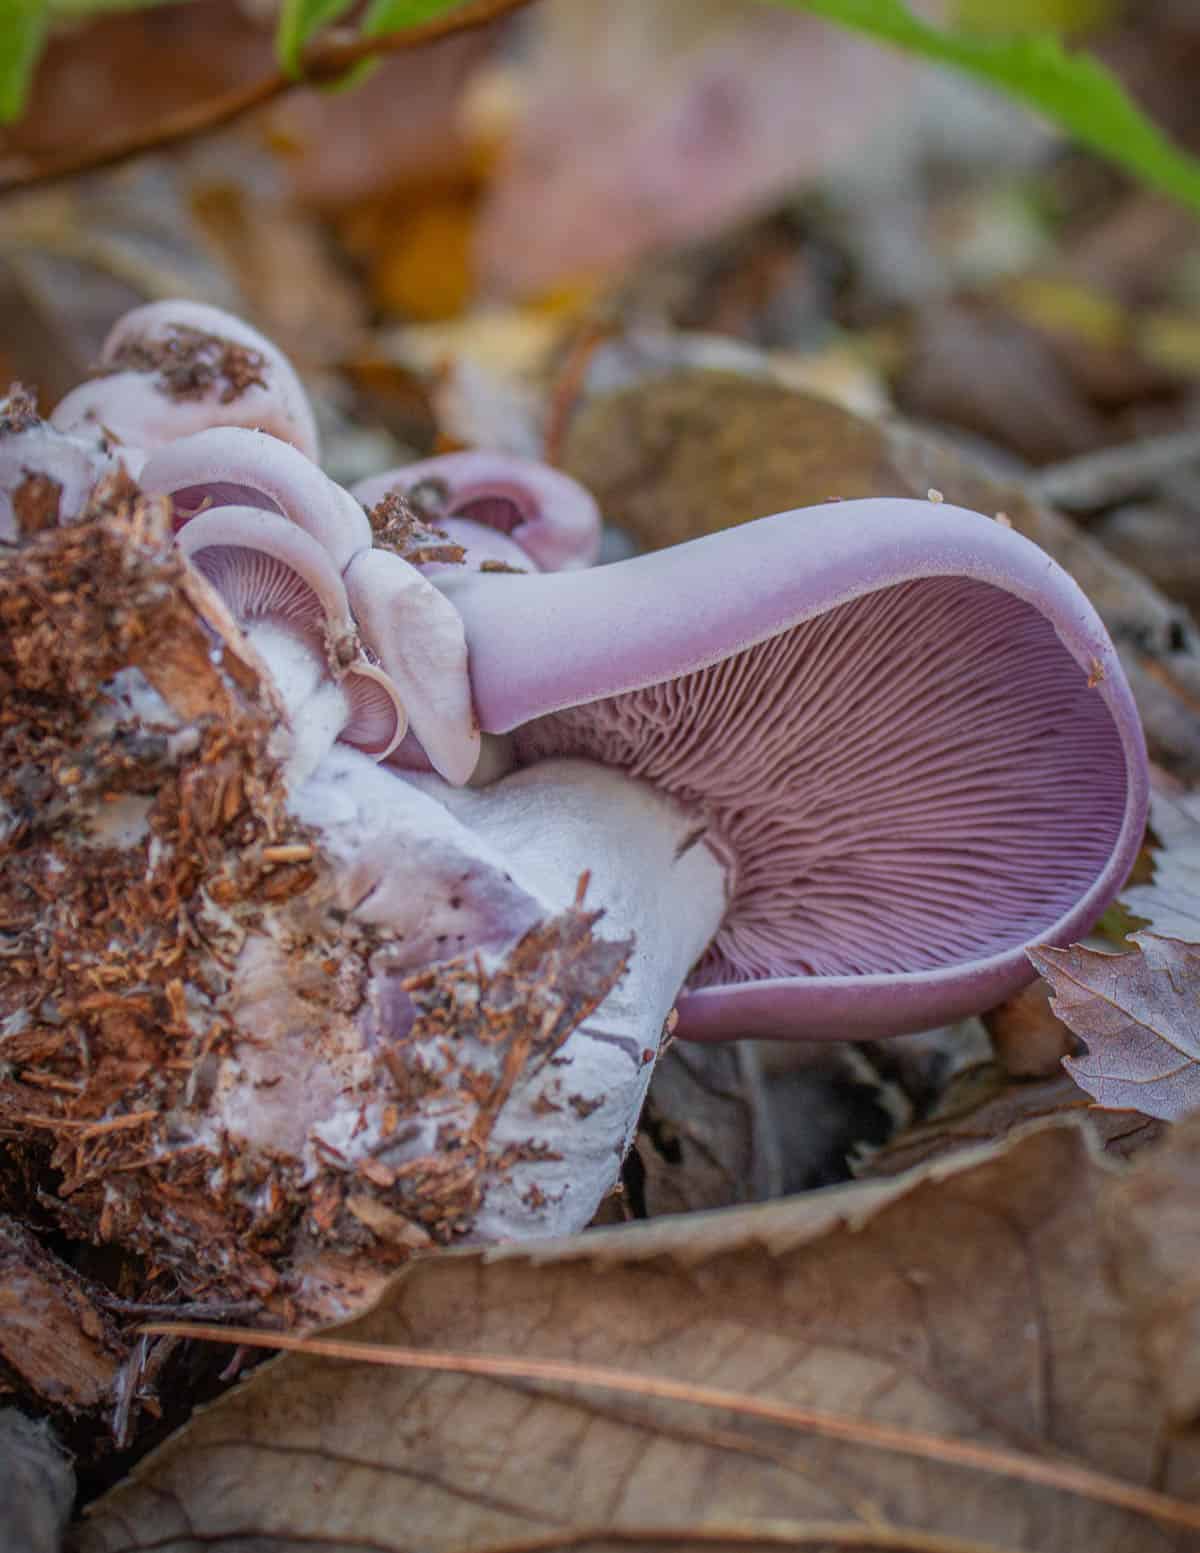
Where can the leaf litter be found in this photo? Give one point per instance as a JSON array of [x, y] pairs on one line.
[[1136, 1012], [851, 1316]]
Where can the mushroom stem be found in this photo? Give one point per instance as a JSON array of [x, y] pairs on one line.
[[317, 707], [648, 860]]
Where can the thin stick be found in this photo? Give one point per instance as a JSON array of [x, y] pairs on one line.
[[1114, 474], [788, 1534], [329, 58], [1062, 1475]]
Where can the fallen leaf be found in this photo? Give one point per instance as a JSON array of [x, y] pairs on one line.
[[985, 1108], [1137, 1014], [1029, 1039], [1170, 903], [973, 1302], [696, 1140]]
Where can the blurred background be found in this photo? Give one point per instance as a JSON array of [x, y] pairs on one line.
[[455, 245]]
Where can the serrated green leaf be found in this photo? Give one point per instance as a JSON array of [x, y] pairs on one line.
[[1071, 89], [22, 34], [299, 20], [395, 15]]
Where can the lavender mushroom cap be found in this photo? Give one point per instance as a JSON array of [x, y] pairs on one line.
[[284, 590], [230, 466], [502, 507], [173, 368], [901, 725], [406, 624]]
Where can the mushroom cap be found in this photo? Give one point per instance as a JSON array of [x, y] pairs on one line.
[[230, 466], [417, 635], [551, 517], [266, 567], [903, 723], [174, 368]]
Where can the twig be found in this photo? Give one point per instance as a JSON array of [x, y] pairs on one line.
[[1052, 1473], [1114, 474], [567, 388], [325, 61], [753, 1534]]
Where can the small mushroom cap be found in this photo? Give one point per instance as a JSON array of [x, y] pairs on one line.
[[417, 635], [266, 567], [553, 519], [903, 722], [229, 466], [302, 587], [175, 368]]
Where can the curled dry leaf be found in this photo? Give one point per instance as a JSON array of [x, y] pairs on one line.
[[973, 1302], [1136, 1012], [988, 1108]]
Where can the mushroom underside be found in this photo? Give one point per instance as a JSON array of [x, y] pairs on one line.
[[293, 603], [918, 778], [191, 499], [496, 507]]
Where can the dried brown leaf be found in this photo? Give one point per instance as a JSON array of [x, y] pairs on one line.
[[1029, 1039], [1137, 1014], [973, 1302], [696, 1143], [985, 1108], [1154, 1218]]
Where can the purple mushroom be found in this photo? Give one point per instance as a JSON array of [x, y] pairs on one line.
[[173, 368], [829, 773], [229, 466], [283, 590], [506, 512], [408, 627], [836, 769]]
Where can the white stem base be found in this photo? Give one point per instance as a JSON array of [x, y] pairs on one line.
[[657, 880], [318, 708]]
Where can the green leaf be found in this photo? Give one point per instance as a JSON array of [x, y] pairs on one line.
[[1072, 89], [396, 15], [77, 10], [22, 34], [298, 21], [1032, 15]]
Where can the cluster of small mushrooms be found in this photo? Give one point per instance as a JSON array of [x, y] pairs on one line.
[[826, 774]]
